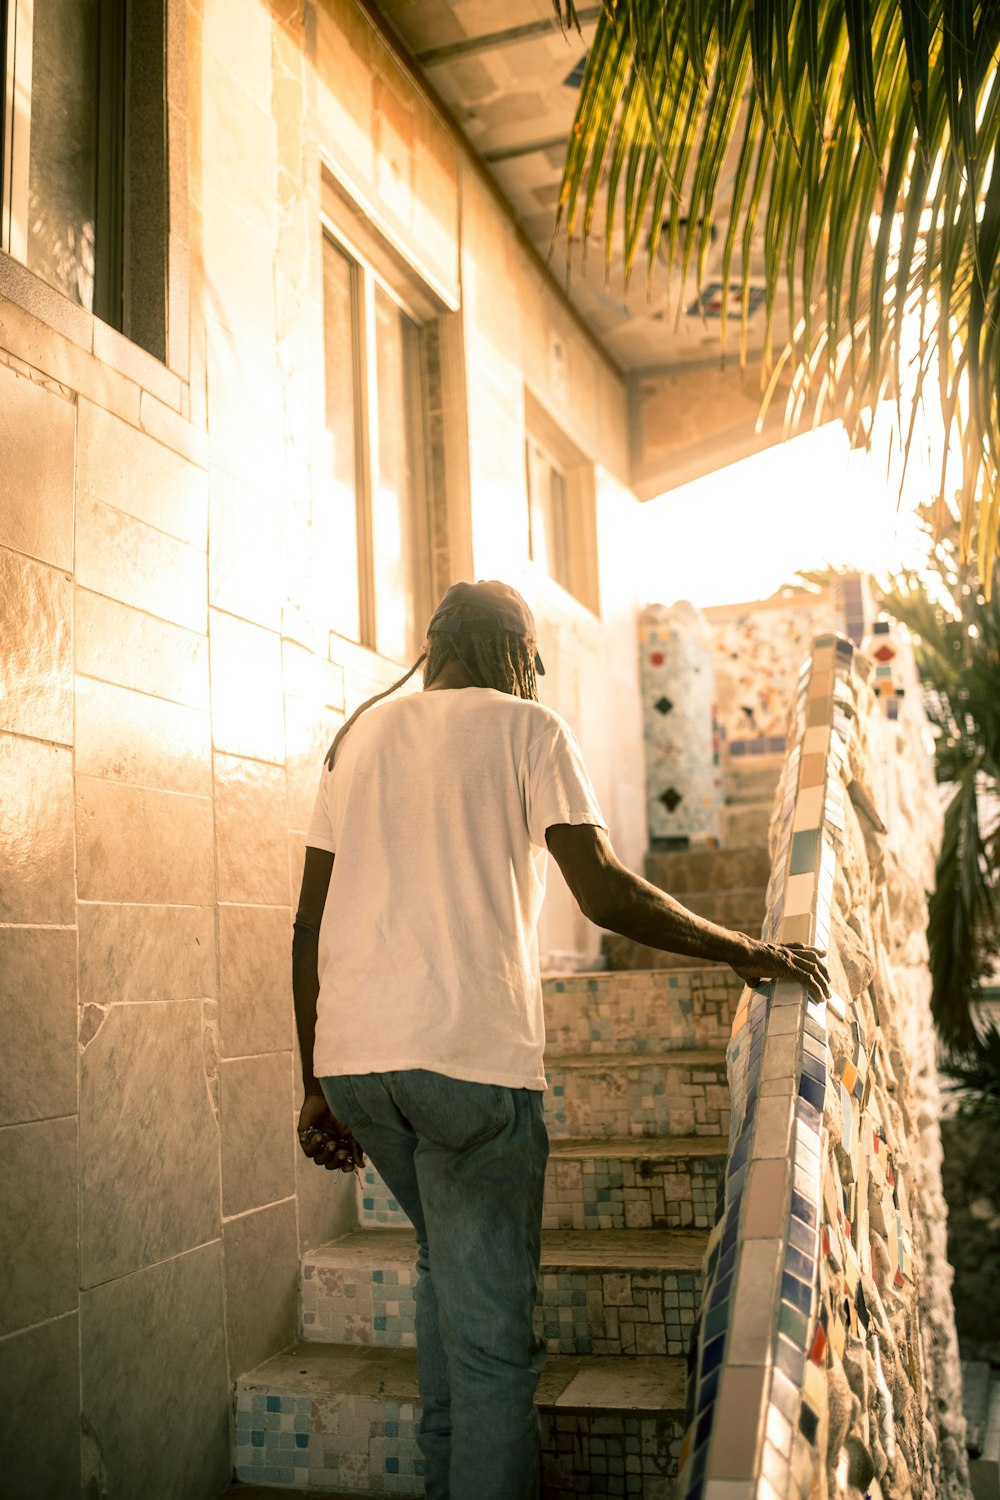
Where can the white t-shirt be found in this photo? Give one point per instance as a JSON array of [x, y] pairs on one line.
[[436, 812]]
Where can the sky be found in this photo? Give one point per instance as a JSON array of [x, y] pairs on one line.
[[801, 504]]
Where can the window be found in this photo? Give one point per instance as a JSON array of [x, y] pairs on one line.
[[378, 576], [83, 169], [548, 529], [562, 527]]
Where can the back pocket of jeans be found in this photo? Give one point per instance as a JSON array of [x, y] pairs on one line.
[[452, 1113]]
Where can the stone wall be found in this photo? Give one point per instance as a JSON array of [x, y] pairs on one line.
[[827, 1362]]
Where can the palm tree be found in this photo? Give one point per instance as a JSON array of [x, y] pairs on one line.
[[856, 140], [957, 650]]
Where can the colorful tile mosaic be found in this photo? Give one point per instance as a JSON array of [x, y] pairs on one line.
[[343, 1442], [639, 1012], [617, 1454], [653, 1191], [377, 1208], [815, 1190], [617, 1312], [602, 1096], [677, 678]]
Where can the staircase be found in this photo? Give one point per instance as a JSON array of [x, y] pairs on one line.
[[638, 1116]]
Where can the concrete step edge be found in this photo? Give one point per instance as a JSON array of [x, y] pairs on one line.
[[581, 1383], [608, 1062], [674, 1251], [642, 1148]]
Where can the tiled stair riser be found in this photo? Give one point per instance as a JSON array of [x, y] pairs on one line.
[[640, 1012], [328, 1441], [617, 1454], [670, 1095], [579, 1311], [607, 1193], [368, 1445], [631, 1312]]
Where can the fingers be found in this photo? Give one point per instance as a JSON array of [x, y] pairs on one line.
[[332, 1147]]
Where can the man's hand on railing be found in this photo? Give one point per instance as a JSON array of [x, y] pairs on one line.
[[789, 961]]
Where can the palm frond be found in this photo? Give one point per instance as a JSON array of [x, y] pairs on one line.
[[974, 1076], [852, 143]]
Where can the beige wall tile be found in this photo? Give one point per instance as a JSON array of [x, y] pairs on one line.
[[255, 979], [240, 289], [250, 831], [122, 735], [40, 1400], [247, 710], [37, 344], [36, 627], [38, 1007], [126, 468], [327, 1200], [36, 833], [257, 1133], [245, 408], [155, 1392], [241, 38], [36, 470], [246, 576], [123, 645], [136, 953], [149, 1140], [38, 1228], [140, 565], [139, 845], [262, 1284], [239, 140], [308, 734]]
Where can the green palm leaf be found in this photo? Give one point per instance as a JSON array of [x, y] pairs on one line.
[[813, 120]]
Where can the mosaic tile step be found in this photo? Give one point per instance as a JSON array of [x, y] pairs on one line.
[[731, 908], [640, 1012], [602, 1096], [610, 1292], [708, 869], [746, 823], [322, 1417], [750, 778], [634, 1183]]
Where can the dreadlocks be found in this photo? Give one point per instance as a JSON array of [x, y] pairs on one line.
[[493, 658]]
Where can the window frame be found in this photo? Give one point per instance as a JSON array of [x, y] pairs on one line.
[[371, 271], [579, 580], [141, 259]]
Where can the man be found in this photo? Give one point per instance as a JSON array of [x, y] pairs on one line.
[[419, 1009]]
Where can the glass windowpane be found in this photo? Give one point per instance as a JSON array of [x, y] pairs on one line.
[[398, 529], [62, 172], [337, 516]]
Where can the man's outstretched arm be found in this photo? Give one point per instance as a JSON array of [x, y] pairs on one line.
[[617, 899]]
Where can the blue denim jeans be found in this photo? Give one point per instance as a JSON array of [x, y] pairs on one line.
[[467, 1163]]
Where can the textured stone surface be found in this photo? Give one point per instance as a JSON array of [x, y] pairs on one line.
[[155, 1388], [38, 1226], [149, 1153], [257, 1132], [36, 832], [255, 975], [139, 565], [36, 625], [40, 1401], [139, 845], [127, 646], [261, 1258], [245, 572], [122, 735], [140, 952], [250, 831], [36, 470], [38, 1010], [119, 464]]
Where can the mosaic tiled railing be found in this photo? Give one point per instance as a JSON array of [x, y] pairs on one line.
[[806, 1376]]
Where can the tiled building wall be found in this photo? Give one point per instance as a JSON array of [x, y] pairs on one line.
[[171, 682]]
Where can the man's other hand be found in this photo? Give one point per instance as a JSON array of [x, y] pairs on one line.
[[324, 1140], [788, 961]]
